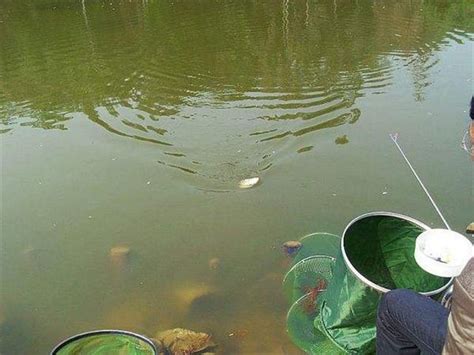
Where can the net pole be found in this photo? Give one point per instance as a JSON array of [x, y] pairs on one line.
[[394, 138]]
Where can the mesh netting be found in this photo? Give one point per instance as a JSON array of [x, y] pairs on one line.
[[303, 284], [335, 296], [308, 275], [391, 262], [379, 256], [302, 331]]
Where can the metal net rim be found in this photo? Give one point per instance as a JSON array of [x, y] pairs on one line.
[[305, 260], [466, 144], [363, 278], [319, 234], [73, 338]]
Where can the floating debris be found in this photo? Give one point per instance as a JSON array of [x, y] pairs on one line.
[[214, 263], [291, 247], [305, 149], [239, 334], [183, 341], [248, 183]]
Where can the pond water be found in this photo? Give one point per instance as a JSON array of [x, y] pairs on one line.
[[130, 123]]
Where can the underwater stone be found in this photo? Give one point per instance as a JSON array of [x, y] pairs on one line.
[[119, 251], [291, 247], [119, 256], [342, 140], [470, 228], [214, 263], [184, 341]]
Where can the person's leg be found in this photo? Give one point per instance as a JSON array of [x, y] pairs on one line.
[[409, 323]]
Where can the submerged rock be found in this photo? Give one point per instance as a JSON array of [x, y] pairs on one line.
[[291, 247], [181, 341], [119, 251], [119, 256], [342, 140], [470, 228], [214, 263]]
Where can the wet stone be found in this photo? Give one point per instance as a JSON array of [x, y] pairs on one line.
[[184, 341], [470, 228], [291, 247], [119, 256], [120, 251], [214, 263]]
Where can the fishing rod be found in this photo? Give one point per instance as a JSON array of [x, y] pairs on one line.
[[394, 137]]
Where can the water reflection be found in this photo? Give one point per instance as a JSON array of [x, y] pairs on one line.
[[225, 84]]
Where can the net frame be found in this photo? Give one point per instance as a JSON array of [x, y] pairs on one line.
[[466, 144], [301, 329], [306, 275], [66, 342], [364, 279]]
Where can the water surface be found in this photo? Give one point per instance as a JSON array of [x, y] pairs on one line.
[[132, 122]]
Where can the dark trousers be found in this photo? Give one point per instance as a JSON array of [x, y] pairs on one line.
[[409, 323]]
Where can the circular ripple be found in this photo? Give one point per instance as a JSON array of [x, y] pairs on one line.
[[221, 90]]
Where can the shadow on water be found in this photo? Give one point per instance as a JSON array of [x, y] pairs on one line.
[[219, 105]]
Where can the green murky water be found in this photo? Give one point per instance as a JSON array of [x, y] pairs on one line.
[[131, 123]]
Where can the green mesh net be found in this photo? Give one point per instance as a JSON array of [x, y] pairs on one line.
[[391, 262], [377, 255], [308, 275], [300, 327]]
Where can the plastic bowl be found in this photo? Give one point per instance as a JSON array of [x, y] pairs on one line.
[[442, 252]]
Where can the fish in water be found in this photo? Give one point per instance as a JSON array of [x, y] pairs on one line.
[[248, 183]]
